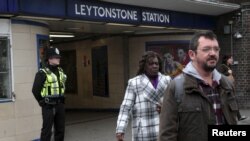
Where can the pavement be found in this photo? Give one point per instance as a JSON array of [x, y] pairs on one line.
[[92, 126], [245, 112], [100, 126]]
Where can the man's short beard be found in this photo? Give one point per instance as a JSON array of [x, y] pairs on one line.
[[208, 68]]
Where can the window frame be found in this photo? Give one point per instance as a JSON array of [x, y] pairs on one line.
[[10, 94]]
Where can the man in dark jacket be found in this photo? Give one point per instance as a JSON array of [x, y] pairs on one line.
[[48, 89], [207, 96]]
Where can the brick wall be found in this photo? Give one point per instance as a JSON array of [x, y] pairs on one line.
[[241, 49]]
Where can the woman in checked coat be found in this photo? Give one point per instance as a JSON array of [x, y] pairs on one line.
[[142, 100]]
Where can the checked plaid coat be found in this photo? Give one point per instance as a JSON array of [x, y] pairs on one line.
[[140, 103]]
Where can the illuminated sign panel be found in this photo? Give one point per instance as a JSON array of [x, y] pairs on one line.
[[99, 11]]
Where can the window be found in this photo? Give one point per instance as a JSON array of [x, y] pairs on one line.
[[5, 70], [42, 45]]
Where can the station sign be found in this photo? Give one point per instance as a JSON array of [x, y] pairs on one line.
[[106, 12], [99, 11]]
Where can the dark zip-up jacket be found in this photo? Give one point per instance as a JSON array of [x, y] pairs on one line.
[[189, 120]]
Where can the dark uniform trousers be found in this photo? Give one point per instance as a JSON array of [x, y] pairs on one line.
[[53, 114]]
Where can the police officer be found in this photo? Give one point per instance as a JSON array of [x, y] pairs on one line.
[[48, 89]]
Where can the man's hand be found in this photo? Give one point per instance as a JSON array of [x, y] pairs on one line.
[[158, 108], [41, 102], [120, 136]]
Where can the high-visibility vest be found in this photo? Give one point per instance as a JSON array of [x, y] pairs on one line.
[[51, 87]]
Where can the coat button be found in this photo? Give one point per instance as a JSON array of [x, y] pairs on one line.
[[197, 109]]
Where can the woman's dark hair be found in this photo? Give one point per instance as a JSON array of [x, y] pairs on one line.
[[145, 58], [194, 43], [225, 58]]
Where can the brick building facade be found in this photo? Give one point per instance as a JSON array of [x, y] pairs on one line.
[[239, 47]]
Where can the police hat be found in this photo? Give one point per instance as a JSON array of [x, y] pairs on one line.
[[53, 52]]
